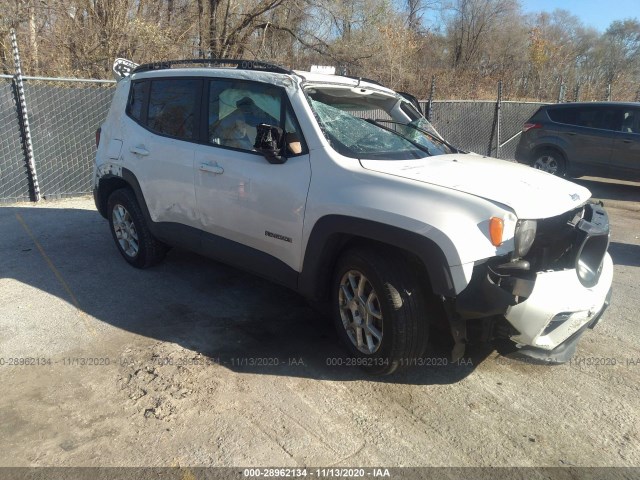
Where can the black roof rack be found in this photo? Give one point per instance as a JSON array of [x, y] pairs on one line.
[[215, 63]]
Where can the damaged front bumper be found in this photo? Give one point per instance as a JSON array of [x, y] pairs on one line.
[[563, 352], [559, 307], [547, 310]]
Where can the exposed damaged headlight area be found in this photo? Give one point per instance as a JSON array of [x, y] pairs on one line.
[[554, 242], [576, 240]]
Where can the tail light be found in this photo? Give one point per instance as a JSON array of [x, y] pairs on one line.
[[530, 126], [98, 137]]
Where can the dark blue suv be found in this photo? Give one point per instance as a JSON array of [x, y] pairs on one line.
[[576, 139]]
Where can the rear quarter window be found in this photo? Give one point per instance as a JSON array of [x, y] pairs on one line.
[[562, 115], [136, 100]]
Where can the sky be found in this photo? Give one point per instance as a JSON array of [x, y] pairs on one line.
[[594, 13]]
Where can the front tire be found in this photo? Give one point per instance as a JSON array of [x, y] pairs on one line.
[[551, 161], [130, 232], [379, 310]]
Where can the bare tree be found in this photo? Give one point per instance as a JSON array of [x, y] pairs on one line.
[[470, 24]]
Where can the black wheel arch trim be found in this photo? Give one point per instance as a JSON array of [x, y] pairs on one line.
[[105, 185], [331, 232], [128, 179], [549, 146]]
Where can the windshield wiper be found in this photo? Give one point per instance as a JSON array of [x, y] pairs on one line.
[[412, 142], [434, 137]]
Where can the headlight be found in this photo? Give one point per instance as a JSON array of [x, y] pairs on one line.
[[524, 237]]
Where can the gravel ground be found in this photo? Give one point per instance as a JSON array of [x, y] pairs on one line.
[[194, 363]]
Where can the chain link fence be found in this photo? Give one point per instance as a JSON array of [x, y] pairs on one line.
[[513, 116], [14, 180], [63, 117], [64, 114], [465, 124], [473, 125]]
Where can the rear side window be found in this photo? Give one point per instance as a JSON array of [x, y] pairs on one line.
[[563, 115], [601, 117], [136, 100], [172, 107]]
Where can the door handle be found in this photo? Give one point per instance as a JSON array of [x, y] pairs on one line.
[[139, 150], [627, 141], [217, 169], [570, 133]]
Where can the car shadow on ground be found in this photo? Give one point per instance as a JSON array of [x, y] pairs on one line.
[[240, 321], [610, 189], [625, 254]]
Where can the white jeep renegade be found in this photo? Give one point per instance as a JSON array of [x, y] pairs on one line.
[[340, 189]]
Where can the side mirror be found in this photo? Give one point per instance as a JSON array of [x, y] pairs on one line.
[[269, 143]]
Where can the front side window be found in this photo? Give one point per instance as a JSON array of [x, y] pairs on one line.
[[237, 108], [631, 120], [172, 104]]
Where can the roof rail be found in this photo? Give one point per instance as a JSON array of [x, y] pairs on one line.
[[215, 63]]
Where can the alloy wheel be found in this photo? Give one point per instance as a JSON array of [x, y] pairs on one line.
[[360, 312], [125, 231], [547, 163]]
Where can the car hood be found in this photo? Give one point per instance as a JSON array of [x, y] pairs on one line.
[[530, 193]]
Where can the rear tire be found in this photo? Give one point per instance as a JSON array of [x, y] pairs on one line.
[[551, 161], [379, 310], [130, 232]]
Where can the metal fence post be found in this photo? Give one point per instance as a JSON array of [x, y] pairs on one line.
[[25, 132], [431, 94], [608, 92], [498, 118], [562, 92]]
